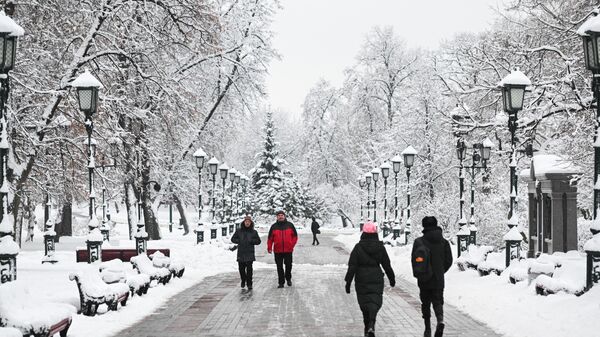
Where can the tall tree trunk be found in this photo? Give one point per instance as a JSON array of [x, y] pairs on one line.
[[182, 216], [65, 226], [129, 197]]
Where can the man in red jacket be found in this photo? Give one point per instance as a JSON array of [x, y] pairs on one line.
[[282, 239]]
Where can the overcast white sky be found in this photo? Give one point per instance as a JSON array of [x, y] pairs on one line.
[[320, 38]]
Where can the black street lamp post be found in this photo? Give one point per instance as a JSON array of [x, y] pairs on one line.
[[375, 175], [9, 249], [199, 157], [361, 185], [49, 233], [213, 166], [232, 174], [409, 155], [513, 88], [223, 170], [396, 166], [368, 179], [87, 93], [590, 34], [238, 181], [105, 227], [385, 173]]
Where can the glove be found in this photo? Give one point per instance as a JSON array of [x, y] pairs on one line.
[[392, 283], [347, 288]]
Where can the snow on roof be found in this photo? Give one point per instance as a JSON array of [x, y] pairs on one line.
[[8, 246], [548, 163], [8, 25], [7, 224], [409, 150], [488, 143], [385, 165], [464, 230], [593, 244], [95, 235], [224, 167], [199, 153], [513, 235], [213, 161], [516, 77], [591, 24], [86, 80], [397, 159]]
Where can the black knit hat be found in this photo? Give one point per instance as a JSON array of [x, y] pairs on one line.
[[429, 222], [280, 212]]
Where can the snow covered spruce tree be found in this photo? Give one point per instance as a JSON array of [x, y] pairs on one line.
[[274, 187]]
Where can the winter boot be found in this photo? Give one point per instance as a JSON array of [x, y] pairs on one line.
[[243, 283], [439, 330], [427, 332], [371, 329]]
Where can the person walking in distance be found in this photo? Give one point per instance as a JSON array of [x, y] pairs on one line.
[[246, 237], [366, 260], [281, 241], [314, 227], [431, 258]]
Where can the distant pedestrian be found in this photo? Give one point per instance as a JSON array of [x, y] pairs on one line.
[[282, 239], [366, 260], [314, 227], [246, 237], [431, 258]]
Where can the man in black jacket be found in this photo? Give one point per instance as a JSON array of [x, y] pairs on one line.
[[246, 237], [432, 290], [314, 228]]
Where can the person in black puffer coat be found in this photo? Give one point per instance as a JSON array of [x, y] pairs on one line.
[[432, 291], [364, 266], [246, 237], [314, 228]]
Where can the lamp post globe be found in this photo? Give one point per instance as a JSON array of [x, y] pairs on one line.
[[223, 170], [368, 178], [9, 32], [486, 149], [513, 88], [87, 92], [238, 178], [199, 157], [409, 156]]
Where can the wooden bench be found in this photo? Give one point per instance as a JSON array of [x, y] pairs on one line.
[[123, 254], [144, 266], [93, 292]]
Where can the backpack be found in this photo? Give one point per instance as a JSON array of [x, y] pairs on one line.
[[421, 261]]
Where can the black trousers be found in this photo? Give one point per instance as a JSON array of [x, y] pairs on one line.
[[280, 260], [315, 239], [369, 313], [246, 272], [435, 297]]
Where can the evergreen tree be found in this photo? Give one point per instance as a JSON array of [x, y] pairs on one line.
[[275, 188]]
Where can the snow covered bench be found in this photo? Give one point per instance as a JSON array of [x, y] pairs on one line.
[[10, 332], [494, 263], [473, 257], [159, 260], [144, 266], [570, 277], [123, 254], [530, 269], [115, 271], [29, 316], [93, 292]]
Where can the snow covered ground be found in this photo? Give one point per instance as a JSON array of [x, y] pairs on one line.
[[51, 282], [513, 310]]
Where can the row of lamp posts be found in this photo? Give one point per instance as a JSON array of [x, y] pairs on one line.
[[372, 177], [228, 215]]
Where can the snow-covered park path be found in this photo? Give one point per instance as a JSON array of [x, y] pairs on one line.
[[316, 304]]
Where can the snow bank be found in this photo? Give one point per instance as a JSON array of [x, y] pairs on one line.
[[19, 309]]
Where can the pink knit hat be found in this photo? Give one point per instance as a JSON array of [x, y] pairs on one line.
[[370, 227]]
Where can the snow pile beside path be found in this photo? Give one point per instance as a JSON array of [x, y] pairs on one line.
[[513, 310]]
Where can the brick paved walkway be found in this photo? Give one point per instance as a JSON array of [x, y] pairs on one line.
[[316, 304]]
